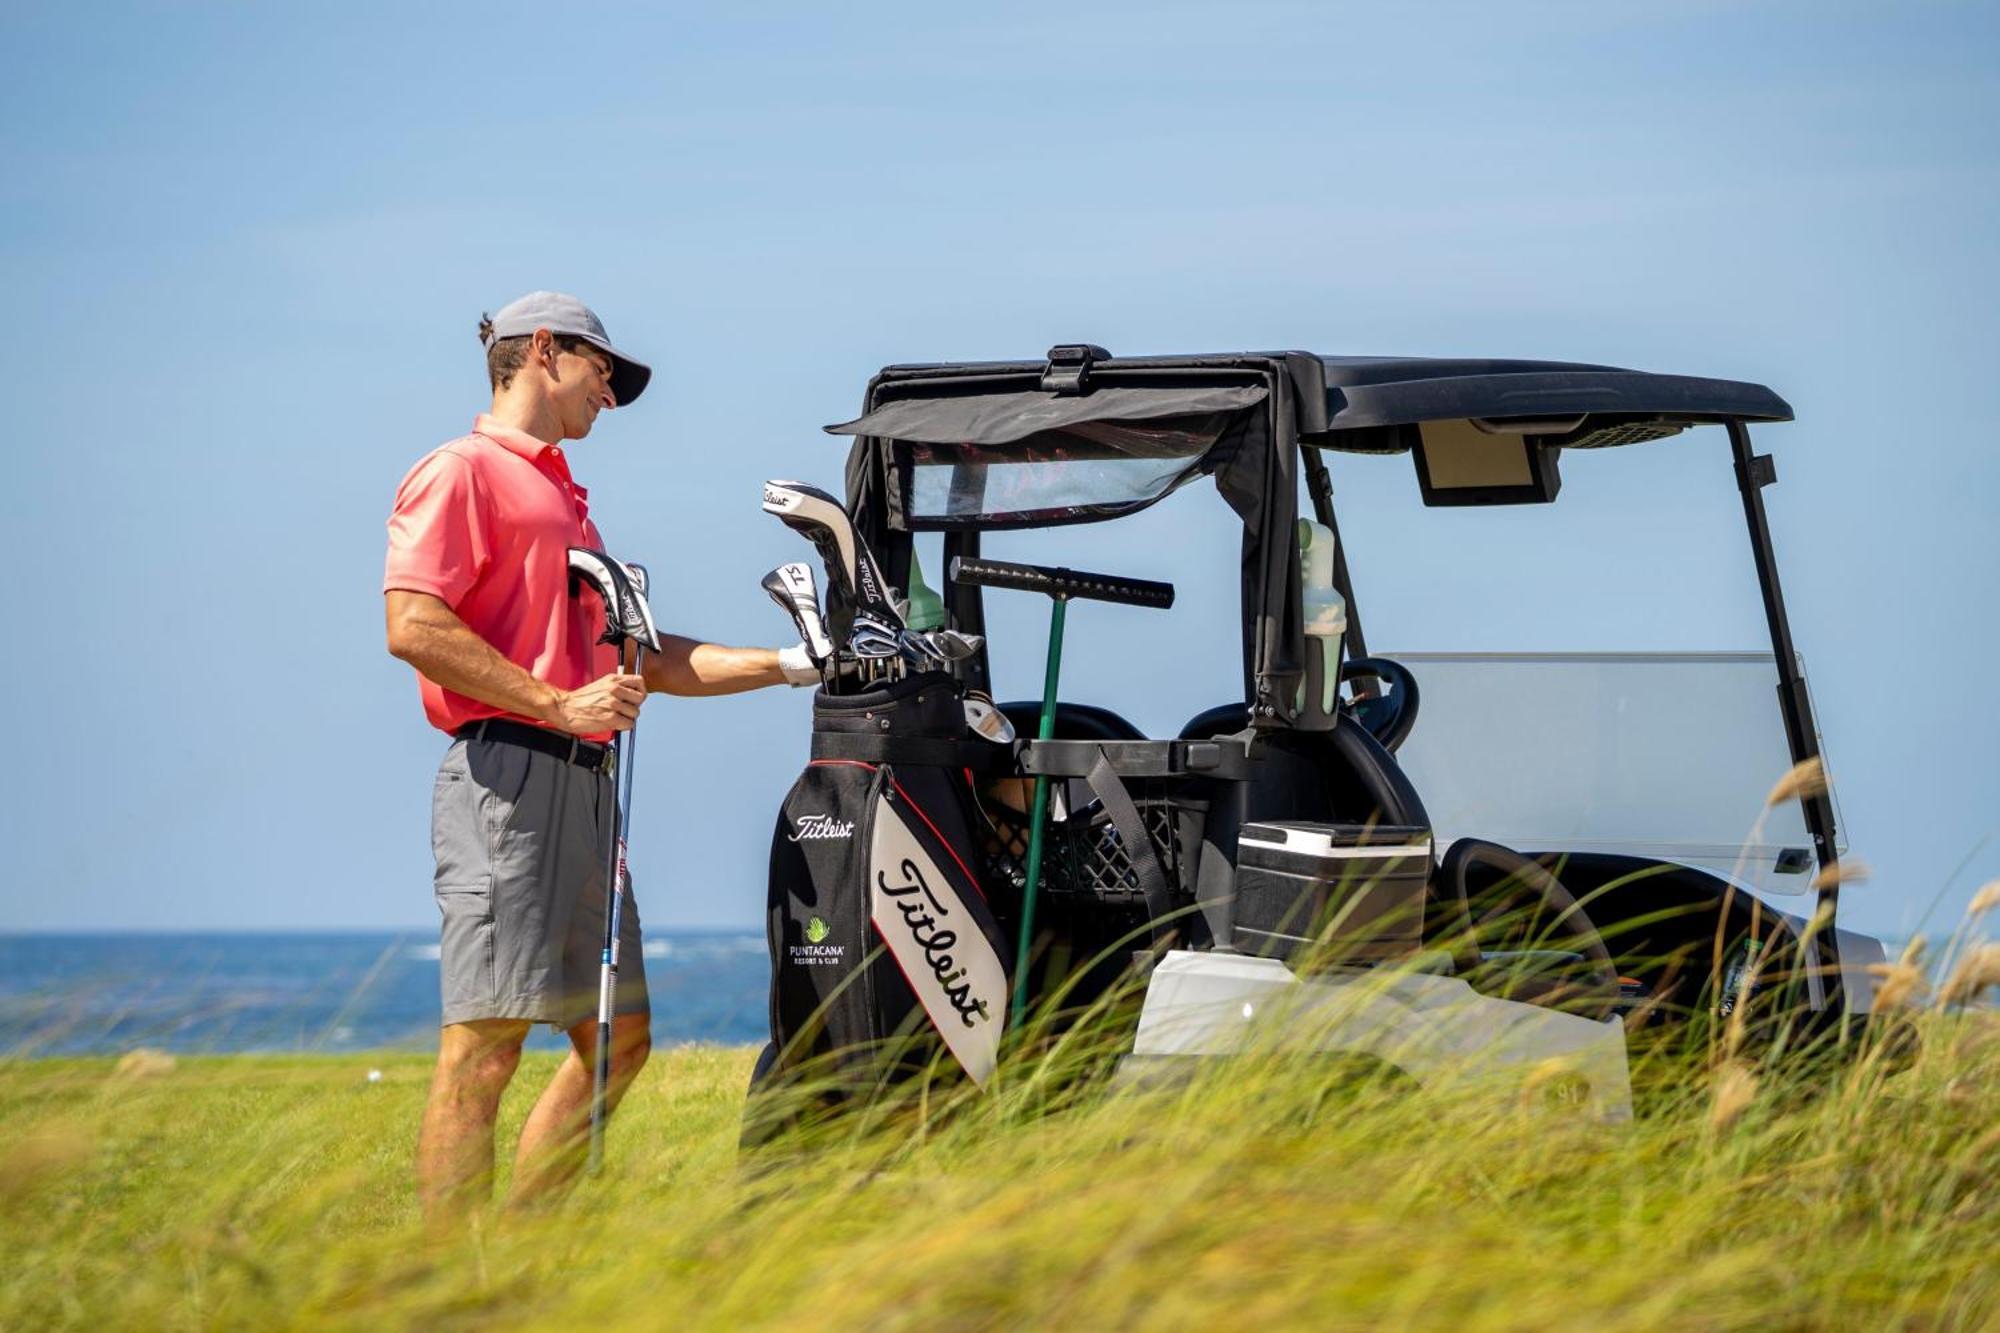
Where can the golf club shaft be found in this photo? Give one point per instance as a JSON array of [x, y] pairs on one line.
[[624, 750], [1039, 817]]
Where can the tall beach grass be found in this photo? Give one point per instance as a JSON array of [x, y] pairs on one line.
[[1269, 1191]]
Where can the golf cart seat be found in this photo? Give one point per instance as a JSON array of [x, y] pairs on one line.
[[1343, 775], [1074, 722]]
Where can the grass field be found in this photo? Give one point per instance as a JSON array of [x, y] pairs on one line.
[[262, 1191]]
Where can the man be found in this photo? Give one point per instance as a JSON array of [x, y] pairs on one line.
[[478, 601]]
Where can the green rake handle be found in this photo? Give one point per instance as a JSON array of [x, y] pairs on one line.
[[1059, 586], [1038, 820]]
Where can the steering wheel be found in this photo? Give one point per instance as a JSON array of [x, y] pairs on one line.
[[1387, 717]]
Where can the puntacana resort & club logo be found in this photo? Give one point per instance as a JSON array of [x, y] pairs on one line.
[[816, 952]]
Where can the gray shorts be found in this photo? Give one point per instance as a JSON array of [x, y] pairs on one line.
[[520, 839]]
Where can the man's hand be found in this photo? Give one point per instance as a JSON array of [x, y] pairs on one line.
[[609, 703], [427, 634]]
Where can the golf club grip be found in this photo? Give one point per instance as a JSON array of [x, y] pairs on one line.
[[1072, 583]]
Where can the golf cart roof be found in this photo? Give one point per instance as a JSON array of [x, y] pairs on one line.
[[1372, 391], [1342, 402]]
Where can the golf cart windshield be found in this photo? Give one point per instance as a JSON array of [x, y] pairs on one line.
[[1092, 471], [995, 461], [1664, 755]]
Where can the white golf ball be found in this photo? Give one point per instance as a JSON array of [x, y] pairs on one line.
[[374, 1076]]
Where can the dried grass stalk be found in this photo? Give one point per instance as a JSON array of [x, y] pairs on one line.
[[1735, 1090], [1976, 971], [1807, 778]]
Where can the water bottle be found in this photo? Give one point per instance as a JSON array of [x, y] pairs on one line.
[[1325, 616]]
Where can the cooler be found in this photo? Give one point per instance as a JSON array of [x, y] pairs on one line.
[[1331, 893]]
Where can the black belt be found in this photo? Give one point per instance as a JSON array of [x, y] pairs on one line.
[[561, 745]]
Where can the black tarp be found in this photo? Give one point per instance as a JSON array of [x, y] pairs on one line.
[[1003, 418]]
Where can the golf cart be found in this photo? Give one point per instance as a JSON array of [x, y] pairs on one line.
[[1371, 856]]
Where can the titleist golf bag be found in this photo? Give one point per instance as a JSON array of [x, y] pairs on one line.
[[884, 948]]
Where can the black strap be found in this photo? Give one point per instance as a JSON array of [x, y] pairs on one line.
[[925, 751], [569, 749], [1105, 784]]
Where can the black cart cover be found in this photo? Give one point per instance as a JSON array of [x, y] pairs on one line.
[[1003, 418]]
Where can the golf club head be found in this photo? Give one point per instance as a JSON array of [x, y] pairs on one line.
[[951, 646], [852, 573], [986, 720], [791, 586], [626, 613], [873, 639]]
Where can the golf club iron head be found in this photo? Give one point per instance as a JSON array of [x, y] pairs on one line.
[[986, 720], [627, 616], [853, 576], [791, 586], [872, 638], [948, 645]]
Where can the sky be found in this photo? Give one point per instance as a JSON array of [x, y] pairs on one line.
[[247, 247]]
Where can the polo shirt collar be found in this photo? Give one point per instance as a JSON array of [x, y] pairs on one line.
[[539, 452], [516, 441]]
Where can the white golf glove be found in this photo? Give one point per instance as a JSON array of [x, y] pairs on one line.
[[798, 666]]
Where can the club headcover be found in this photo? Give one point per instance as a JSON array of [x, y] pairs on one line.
[[626, 613], [791, 586], [851, 569]]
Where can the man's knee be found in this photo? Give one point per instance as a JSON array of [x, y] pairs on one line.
[[631, 1043], [481, 1056]]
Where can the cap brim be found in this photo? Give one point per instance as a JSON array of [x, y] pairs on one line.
[[629, 378]]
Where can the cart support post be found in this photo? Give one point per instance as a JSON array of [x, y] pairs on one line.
[[1753, 473], [1038, 820]]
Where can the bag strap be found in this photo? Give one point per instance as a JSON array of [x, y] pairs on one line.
[[1109, 789], [923, 751]]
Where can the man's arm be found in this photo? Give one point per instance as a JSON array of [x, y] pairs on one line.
[[691, 667], [427, 634]]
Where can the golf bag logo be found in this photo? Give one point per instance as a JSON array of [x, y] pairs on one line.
[[816, 952], [819, 828], [950, 965]]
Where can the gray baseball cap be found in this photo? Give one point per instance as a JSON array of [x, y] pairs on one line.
[[565, 314]]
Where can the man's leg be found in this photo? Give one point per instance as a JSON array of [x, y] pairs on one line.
[[556, 1137], [455, 1151]]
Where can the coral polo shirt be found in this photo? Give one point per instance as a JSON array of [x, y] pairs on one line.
[[484, 523]]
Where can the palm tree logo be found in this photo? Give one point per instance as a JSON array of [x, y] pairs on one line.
[[817, 930]]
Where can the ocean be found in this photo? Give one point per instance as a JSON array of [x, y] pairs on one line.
[[225, 993]]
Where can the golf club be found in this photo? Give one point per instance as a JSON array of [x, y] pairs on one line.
[[628, 620]]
